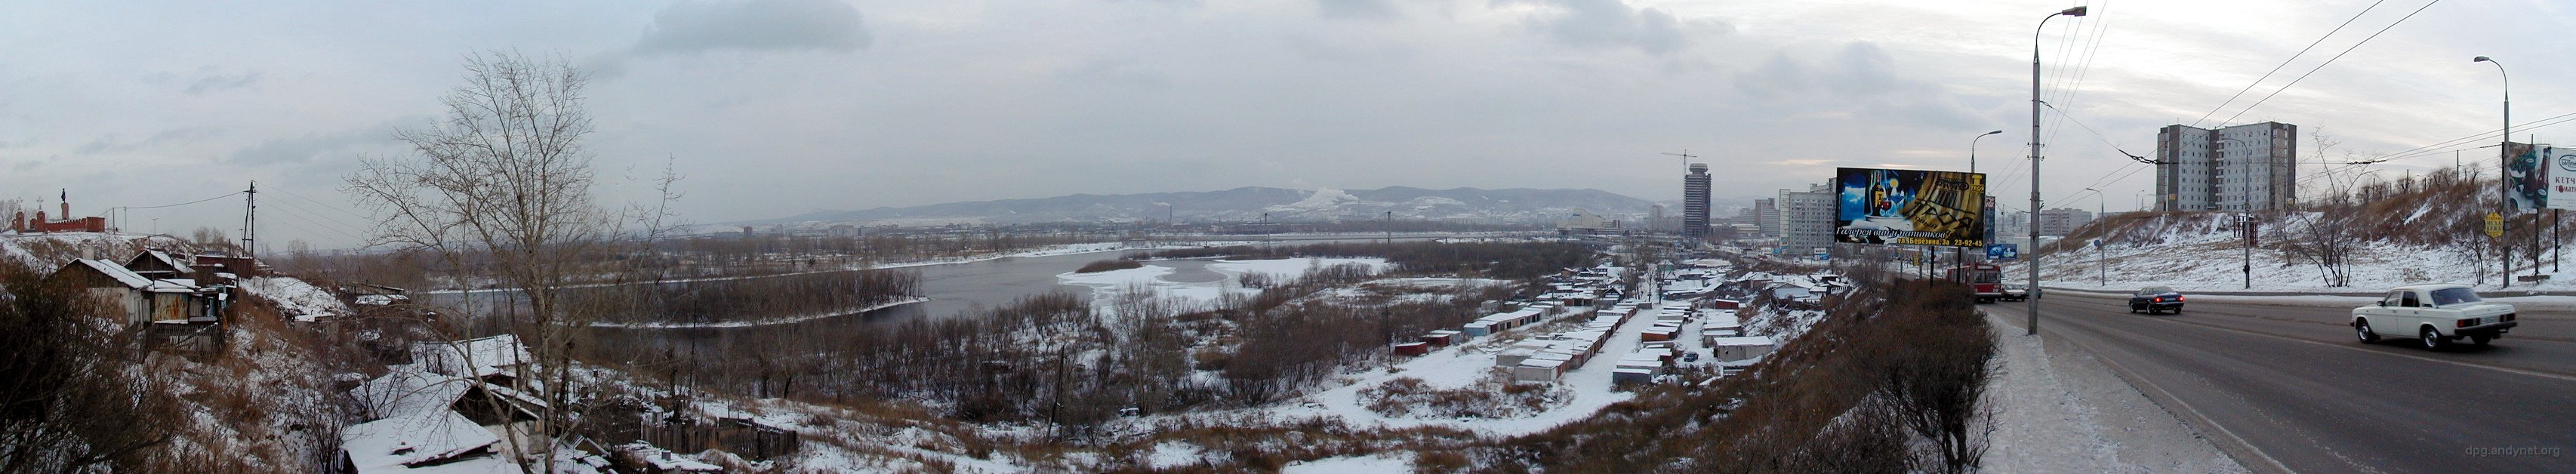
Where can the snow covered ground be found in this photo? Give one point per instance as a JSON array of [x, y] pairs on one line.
[[297, 299], [2197, 261], [2058, 409], [762, 322], [1106, 286]]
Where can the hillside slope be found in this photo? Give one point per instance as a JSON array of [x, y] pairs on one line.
[[2419, 229]]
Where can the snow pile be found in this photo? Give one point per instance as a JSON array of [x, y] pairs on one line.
[[1377, 463], [297, 299]]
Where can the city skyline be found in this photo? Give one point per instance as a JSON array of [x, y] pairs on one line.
[[777, 107]]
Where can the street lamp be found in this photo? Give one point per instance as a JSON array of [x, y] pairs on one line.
[[2504, 150], [1972, 149], [2034, 158]]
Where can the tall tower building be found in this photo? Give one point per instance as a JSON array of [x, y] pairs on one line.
[[1695, 201], [2249, 167]]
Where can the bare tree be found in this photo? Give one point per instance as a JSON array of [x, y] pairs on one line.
[[505, 178]]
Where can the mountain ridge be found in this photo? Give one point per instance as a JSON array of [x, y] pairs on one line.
[[1249, 203]]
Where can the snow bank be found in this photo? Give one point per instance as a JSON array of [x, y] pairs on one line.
[[297, 299]]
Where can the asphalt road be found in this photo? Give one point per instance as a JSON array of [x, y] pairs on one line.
[[2288, 388]]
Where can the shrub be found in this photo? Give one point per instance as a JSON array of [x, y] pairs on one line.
[[1107, 265]]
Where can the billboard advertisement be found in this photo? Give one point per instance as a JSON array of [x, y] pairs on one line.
[[2562, 176], [1909, 207], [2526, 187]]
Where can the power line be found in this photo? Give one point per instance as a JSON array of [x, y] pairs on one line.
[[226, 195], [2284, 63], [2320, 66], [2430, 150]]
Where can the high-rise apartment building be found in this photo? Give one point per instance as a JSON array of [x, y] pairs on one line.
[[2062, 221], [1766, 216], [2249, 167], [1806, 220], [1695, 201]]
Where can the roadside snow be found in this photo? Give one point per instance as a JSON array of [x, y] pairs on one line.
[[1376, 463], [2058, 409]]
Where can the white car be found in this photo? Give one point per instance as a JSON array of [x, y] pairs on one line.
[[2435, 315]]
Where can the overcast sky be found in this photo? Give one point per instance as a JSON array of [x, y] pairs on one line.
[[778, 107]]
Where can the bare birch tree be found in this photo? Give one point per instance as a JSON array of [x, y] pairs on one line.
[[505, 180]]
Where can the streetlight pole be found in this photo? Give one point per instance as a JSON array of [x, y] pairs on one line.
[[2034, 159], [2504, 150], [1984, 233], [2099, 232]]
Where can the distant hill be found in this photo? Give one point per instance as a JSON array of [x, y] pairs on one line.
[[1249, 203]]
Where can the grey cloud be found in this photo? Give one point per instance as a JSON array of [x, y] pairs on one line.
[[1610, 24], [305, 148], [755, 25], [1118, 73], [218, 82], [1356, 9], [114, 143], [1861, 76]]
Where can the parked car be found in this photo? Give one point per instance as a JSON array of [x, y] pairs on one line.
[[2016, 292], [2435, 314], [2155, 299], [1690, 357]]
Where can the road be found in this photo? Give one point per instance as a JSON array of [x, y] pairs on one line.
[[2285, 387]]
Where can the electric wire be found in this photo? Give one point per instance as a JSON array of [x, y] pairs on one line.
[[2329, 61], [2285, 63]]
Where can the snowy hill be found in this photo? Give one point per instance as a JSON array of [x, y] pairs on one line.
[[2424, 229], [1249, 203]]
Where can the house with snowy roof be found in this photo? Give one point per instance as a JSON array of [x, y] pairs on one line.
[[494, 359], [423, 422], [134, 298]]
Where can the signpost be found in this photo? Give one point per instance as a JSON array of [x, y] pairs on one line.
[[2495, 225], [2003, 252]]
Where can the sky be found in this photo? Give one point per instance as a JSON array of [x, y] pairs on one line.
[[772, 108]]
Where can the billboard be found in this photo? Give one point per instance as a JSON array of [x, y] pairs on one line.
[[2562, 176], [1909, 207], [2526, 187]]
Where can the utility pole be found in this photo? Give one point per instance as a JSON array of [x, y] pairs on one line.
[[250, 221]]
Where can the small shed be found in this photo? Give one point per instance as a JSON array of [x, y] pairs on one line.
[[1412, 349], [1732, 349], [1628, 376], [1538, 370], [1656, 334]]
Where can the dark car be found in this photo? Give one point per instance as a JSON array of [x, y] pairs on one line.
[[2155, 299]]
